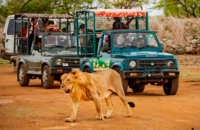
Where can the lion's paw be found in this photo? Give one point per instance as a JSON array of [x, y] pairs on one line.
[[107, 115], [128, 115], [100, 117], [69, 120]]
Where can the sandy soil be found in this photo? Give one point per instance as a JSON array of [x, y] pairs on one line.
[[35, 108]]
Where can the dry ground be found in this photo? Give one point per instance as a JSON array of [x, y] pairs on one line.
[[35, 108]]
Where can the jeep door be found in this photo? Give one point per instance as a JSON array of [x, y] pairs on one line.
[[34, 61]]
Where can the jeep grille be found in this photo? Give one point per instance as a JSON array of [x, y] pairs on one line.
[[152, 63], [72, 62]]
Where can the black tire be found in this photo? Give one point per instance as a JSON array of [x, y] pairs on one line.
[[22, 76], [124, 82], [138, 88], [14, 63], [86, 70], [171, 87], [47, 78]]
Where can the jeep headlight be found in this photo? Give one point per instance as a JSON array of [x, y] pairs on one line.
[[58, 61], [170, 63], [132, 64]]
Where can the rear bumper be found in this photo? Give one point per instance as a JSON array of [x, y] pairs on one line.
[[166, 74], [8, 56]]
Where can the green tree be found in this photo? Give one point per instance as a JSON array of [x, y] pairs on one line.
[[128, 4], [28, 6], [63, 6], [179, 8], [70, 6], [46, 6], [3, 13]]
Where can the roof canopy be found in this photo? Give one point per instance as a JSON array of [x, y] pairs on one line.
[[118, 12], [30, 15]]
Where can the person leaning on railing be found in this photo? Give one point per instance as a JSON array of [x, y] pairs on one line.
[[116, 24], [106, 44], [82, 31], [33, 28]]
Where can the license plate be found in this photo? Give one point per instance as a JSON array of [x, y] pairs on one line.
[[65, 64], [75, 68], [155, 74]]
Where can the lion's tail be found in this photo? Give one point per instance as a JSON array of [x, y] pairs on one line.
[[131, 104]]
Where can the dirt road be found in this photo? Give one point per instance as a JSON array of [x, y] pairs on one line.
[[35, 108]]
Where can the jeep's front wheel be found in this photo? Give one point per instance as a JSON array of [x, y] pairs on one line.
[[124, 82], [171, 87], [86, 70], [22, 76], [138, 88], [47, 78]]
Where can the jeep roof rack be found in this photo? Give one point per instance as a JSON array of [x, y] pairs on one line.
[[91, 17], [118, 12], [26, 17], [55, 16]]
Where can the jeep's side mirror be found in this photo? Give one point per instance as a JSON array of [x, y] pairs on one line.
[[98, 56], [36, 47], [161, 46]]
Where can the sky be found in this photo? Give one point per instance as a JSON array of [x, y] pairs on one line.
[[152, 12], [3, 2]]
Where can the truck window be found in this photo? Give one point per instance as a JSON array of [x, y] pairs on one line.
[[11, 27], [128, 40]]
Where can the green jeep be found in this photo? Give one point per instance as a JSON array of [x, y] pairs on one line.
[[56, 55], [135, 53]]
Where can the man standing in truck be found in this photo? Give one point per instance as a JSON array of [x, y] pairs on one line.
[[32, 30]]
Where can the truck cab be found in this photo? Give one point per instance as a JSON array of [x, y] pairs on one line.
[[136, 54]]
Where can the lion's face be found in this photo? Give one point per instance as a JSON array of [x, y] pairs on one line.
[[68, 81]]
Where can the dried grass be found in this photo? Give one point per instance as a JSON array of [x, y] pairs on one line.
[[156, 26], [175, 29]]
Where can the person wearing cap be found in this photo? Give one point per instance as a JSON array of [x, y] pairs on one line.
[[51, 39], [51, 27]]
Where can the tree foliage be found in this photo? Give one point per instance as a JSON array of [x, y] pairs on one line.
[[128, 4], [3, 13], [70, 6], [45, 6], [179, 8], [63, 6]]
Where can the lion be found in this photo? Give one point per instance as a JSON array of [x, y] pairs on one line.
[[94, 86]]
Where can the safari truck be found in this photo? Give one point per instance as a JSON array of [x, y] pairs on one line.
[[9, 32], [135, 52], [56, 54]]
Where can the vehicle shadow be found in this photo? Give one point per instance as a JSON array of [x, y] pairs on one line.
[[144, 94], [56, 86]]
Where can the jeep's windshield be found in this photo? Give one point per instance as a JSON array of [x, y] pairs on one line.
[[135, 40], [58, 41]]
